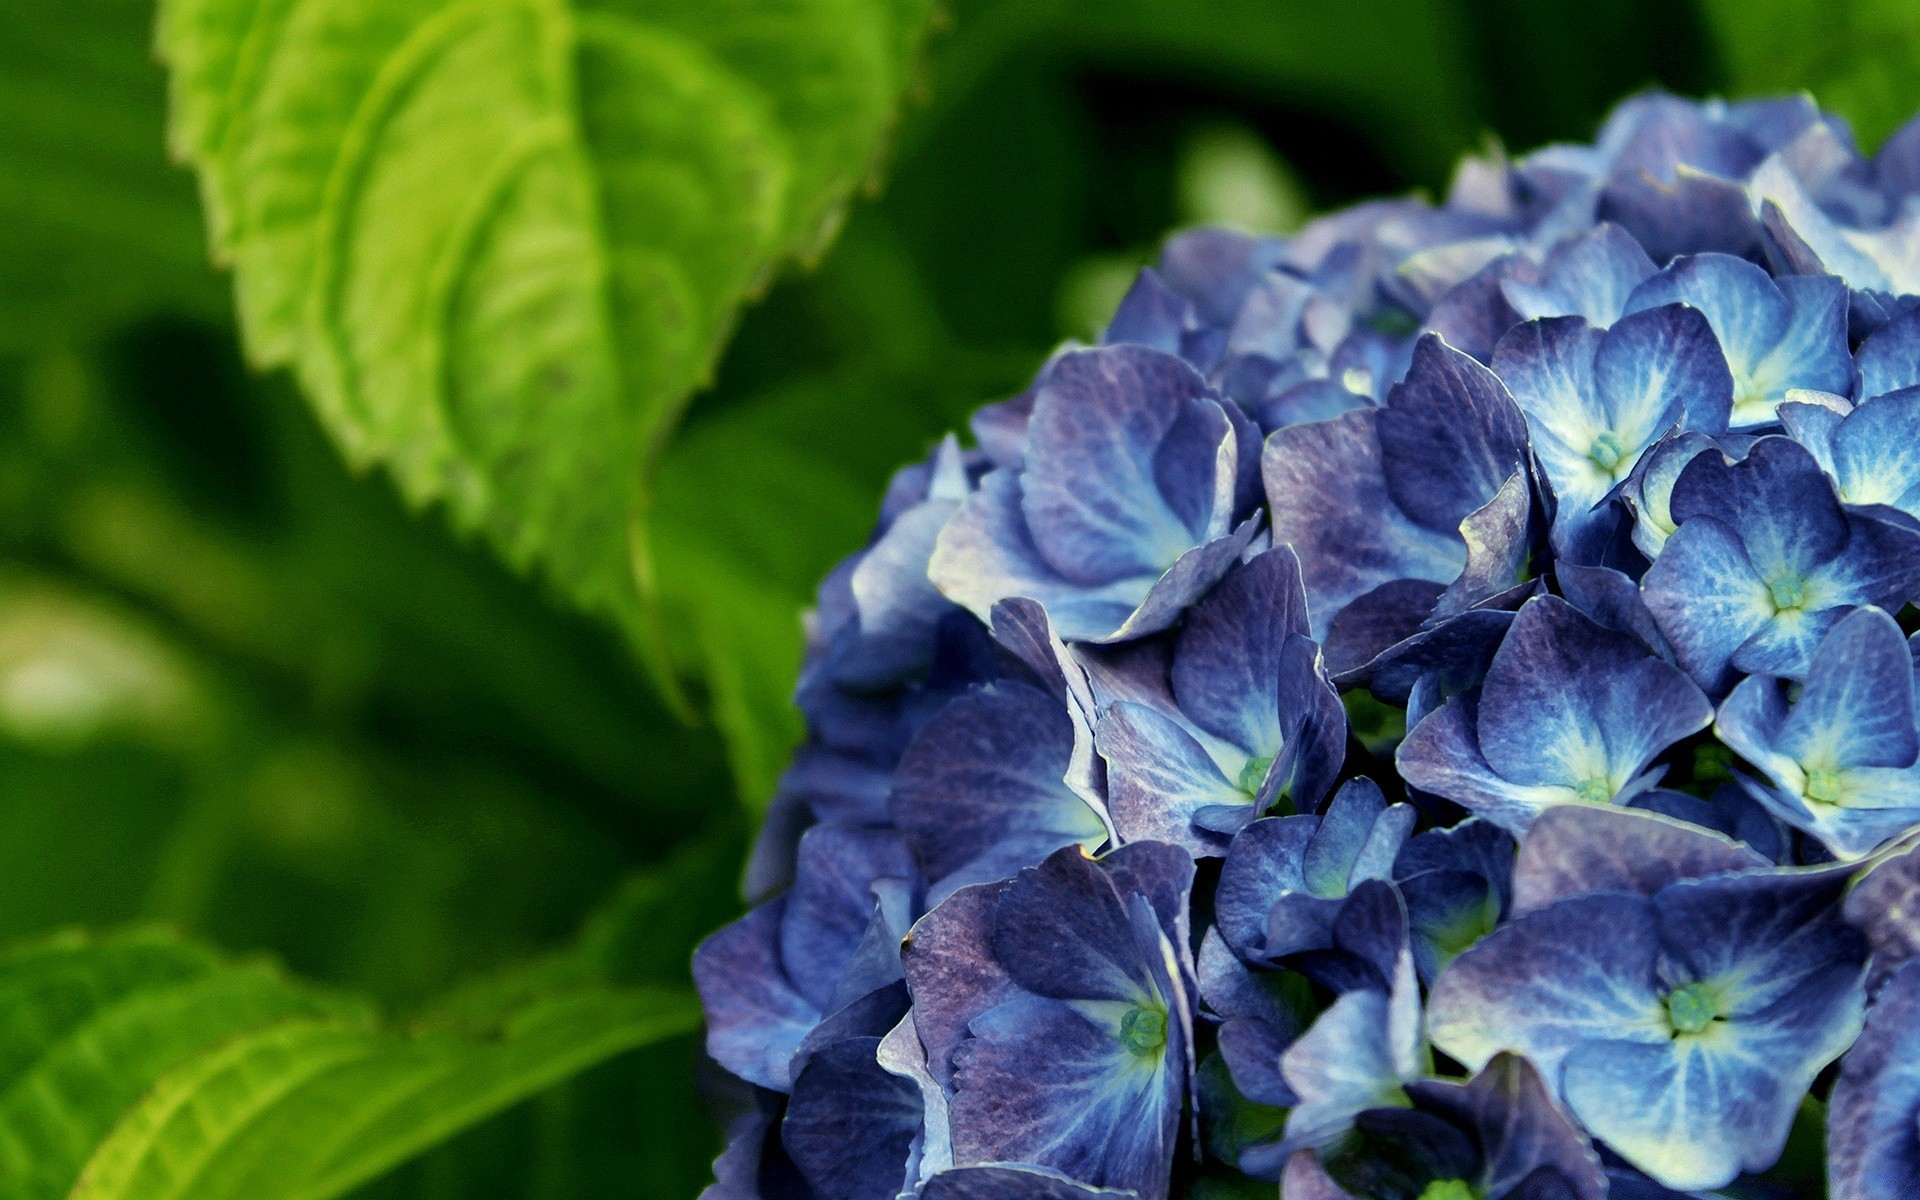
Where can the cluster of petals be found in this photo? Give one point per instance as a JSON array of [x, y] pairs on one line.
[[1423, 710]]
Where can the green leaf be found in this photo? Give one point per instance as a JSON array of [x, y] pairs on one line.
[[502, 241], [1859, 57], [87, 1026], [306, 1110], [140, 1066]]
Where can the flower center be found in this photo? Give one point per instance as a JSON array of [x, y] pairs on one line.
[[1824, 786], [1144, 1031], [1692, 1008], [1597, 790], [1254, 774], [1607, 452], [1788, 593], [1450, 1189]]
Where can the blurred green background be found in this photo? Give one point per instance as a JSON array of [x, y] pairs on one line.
[[247, 693]]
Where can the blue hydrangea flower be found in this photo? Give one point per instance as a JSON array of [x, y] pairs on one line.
[[1841, 757], [770, 978], [1570, 712], [1680, 1009], [1867, 445], [1287, 879], [1243, 717], [1128, 506], [1648, 491], [982, 791], [1528, 506], [1777, 334], [1362, 1051], [1500, 1136], [1764, 561], [1054, 1011], [1595, 401], [1395, 512]]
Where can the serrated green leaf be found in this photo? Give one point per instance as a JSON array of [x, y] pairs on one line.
[[502, 241], [1858, 57], [86, 1026], [305, 1110]]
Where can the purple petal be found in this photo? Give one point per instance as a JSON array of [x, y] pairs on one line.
[[1575, 850]]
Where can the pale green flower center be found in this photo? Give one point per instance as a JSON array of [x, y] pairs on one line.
[[1607, 452], [1692, 1008], [1144, 1031], [1789, 593], [1254, 774], [1825, 786], [1450, 1189], [1598, 790]]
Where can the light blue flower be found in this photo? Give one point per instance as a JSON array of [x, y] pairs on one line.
[[1776, 334], [1840, 758], [1570, 712], [1680, 1011]]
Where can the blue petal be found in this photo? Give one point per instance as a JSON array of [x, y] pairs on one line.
[[831, 903], [1159, 778], [1122, 464], [1450, 437], [952, 973], [756, 1018], [1775, 499], [1216, 268], [1062, 930], [1010, 1181], [1574, 850], [1890, 359], [1265, 862], [1690, 1113], [980, 792], [1876, 452], [1579, 970], [1570, 704], [986, 553], [1885, 906], [1857, 707], [1359, 837], [1590, 275], [850, 1124], [1708, 600], [1609, 598], [1343, 1065], [1658, 364], [1227, 661], [1442, 755], [1052, 1083], [1151, 315], [1327, 486], [1873, 1151]]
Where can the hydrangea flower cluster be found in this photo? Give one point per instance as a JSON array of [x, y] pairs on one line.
[[1422, 711]]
